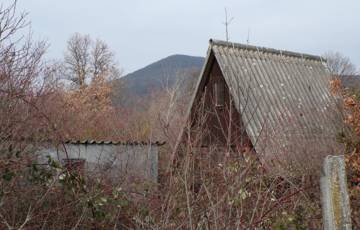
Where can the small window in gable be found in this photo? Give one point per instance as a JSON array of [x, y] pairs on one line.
[[219, 93]]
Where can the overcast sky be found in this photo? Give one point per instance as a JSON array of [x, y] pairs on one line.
[[143, 31]]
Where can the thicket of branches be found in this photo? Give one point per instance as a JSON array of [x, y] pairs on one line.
[[199, 188], [36, 113]]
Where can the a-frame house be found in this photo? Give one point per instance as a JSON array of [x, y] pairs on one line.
[[277, 103]]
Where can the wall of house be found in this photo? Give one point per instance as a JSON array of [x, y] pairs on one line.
[[222, 125], [120, 161]]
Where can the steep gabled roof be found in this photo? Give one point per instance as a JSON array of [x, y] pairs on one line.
[[280, 95]]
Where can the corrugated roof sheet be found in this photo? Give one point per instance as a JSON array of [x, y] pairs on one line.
[[97, 142], [280, 94]]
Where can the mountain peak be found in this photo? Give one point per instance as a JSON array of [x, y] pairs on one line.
[[175, 62], [154, 76]]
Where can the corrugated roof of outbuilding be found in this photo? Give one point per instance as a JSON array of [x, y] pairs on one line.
[[103, 142]]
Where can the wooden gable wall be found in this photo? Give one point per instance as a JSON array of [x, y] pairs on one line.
[[219, 125]]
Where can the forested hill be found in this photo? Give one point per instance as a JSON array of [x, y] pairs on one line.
[[156, 76]]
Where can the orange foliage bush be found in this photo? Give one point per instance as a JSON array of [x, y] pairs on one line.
[[87, 113]]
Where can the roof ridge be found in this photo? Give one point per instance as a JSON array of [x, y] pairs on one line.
[[267, 50]]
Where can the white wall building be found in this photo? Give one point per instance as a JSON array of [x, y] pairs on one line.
[[122, 160]]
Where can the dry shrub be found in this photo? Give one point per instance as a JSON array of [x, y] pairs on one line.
[[87, 113], [220, 188], [33, 195], [351, 138], [52, 197]]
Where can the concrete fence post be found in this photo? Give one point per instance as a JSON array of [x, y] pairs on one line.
[[335, 197]]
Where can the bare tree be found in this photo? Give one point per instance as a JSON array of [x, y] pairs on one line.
[[86, 60], [22, 117], [339, 64], [103, 62], [77, 58]]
